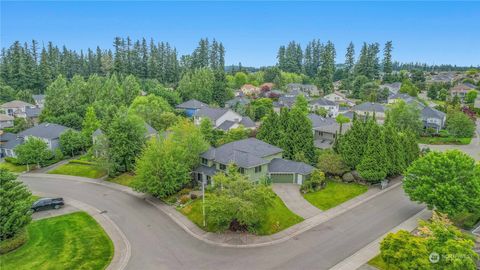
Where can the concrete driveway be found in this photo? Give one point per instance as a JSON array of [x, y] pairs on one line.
[[290, 195]]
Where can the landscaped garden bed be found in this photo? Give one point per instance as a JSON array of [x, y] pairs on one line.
[[334, 193], [80, 168], [278, 217], [73, 241]]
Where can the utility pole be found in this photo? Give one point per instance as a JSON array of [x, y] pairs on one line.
[[203, 201]]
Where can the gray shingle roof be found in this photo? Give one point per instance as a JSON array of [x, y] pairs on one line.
[[247, 122], [245, 153], [238, 100], [33, 112], [212, 113], [428, 112], [280, 165], [226, 125], [328, 125], [7, 136], [191, 104], [369, 107], [44, 130], [12, 143], [323, 102]]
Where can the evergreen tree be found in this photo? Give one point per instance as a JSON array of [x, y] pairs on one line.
[[269, 130], [327, 68], [297, 139], [373, 166], [396, 160], [387, 62], [351, 145]]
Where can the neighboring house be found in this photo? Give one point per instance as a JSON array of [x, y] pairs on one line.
[[16, 108], [370, 108], [191, 106], [5, 137], [249, 89], [330, 106], [339, 97], [325, 130], [287, 100], [33, 115], [442, 77], [39, 101], [308, 89], [6, 121], [222, 118], [433, 118], [237, 101], [49, 133], [393, 88], [255, 159], [461, 90], [399, 96]]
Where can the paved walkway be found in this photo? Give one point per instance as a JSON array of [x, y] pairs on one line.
[[122, 249], [293, 199], [361, 257]]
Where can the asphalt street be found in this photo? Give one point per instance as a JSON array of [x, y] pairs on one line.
[[158, 243]]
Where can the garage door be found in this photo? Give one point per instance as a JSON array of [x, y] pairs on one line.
[[282, 178]]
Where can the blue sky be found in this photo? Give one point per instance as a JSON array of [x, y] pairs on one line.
[[431, 32]]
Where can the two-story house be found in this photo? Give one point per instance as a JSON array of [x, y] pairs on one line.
[[330, 106], [326, 130], [16, 108], [222, 118], [308, 89], [370, 108], [254, 158], [433, 118]]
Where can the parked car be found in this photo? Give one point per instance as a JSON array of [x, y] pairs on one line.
[[47, 203]]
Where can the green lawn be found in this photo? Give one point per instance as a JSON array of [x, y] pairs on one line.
[[466, 220], [13, 168], [279, 217], [444, 140], [73, 241], [78, 169], [125, 179], [334, 194], [380, 264]]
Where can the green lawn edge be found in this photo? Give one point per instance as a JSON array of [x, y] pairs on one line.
[[380, 264], [77, 169], [334, 193], [72, 241]]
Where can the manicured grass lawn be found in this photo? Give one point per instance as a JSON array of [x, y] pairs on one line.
[[125, 179], [380, 264], [279, 217], [444, 140], [73, 241], [334, 194], [78, 169], [13, 168]]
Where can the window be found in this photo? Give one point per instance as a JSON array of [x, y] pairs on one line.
[[258, 169], [223, 167], [241, 170], [204, 161]]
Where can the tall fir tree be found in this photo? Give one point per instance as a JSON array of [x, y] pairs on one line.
[[374, 165]]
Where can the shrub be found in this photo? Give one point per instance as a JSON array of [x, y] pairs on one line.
[[12, 160], [315, 182], [193, 196], [331, 163], [184, 199], [13, 243]]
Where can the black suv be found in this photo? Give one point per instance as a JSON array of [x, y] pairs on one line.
[[47, 203]]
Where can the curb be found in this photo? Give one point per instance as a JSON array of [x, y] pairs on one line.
[[121, 246], [369, 251], [277, 238]]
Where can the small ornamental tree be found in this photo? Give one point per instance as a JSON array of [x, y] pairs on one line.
[[72, 142], [15, 205], [90, 123], [448, 182], [373, 167], [331, 163], [33, 151]]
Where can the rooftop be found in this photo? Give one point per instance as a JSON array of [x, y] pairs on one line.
[[280, 165], [16, 104], [44, 130], [191, 104]]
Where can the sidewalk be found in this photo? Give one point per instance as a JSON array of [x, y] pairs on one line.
[[232, 239], [361, 257]]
